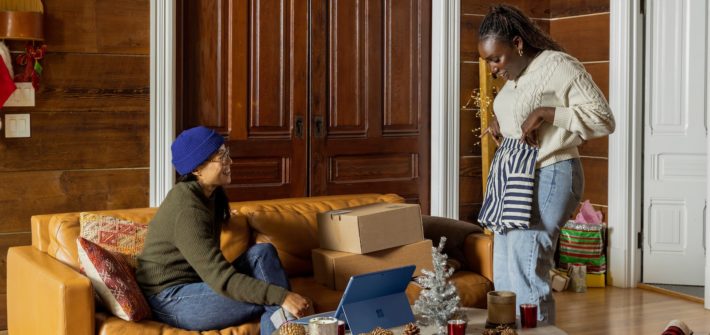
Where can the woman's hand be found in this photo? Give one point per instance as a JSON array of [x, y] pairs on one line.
[[493, 130], [296, 304], [533, 122]]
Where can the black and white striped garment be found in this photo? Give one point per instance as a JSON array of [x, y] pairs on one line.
[[509, 191]]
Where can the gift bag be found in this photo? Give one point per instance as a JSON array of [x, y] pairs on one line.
[[582, 244], [582, 241], [578, 278]]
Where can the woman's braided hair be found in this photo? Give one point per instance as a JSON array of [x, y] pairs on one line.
[[504, 22]]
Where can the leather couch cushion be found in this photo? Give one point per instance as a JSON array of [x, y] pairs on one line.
[[109, 325], [472, 289], [292, 227], [455, 232], [324, 299]]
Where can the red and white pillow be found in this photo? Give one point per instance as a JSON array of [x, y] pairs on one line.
[[113, 280]]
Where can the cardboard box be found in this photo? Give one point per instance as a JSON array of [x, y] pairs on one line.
[[369, 228], [334, 268], [560, 280], [596, 280]]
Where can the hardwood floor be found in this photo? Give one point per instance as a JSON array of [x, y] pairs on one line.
[[618, 311], [626, 311]]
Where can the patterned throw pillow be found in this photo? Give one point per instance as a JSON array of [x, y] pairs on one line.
[[113, 234], [113, 281]]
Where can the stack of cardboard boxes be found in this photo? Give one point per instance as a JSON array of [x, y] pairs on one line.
[[369, 238]]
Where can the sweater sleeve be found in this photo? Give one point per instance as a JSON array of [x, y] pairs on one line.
[[586, 112], [200, 247]]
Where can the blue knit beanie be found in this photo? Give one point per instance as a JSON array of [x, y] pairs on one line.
[[193, 146]]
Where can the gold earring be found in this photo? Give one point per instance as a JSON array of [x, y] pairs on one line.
[[520, 52]]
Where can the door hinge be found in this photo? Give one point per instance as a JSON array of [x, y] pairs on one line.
[[639, 240]]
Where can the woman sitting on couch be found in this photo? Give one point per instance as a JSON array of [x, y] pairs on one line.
[[188, 282]]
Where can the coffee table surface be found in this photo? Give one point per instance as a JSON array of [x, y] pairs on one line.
[[476, 325], [477, 321]]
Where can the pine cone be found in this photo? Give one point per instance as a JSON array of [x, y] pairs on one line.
[[411, 329], [381, 331], [291, 328]]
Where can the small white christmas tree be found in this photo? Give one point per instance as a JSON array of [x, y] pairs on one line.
[[439, 299]]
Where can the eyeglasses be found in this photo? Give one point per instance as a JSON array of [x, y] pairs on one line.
[[223, 157]]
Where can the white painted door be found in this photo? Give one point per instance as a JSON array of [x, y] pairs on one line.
[[675, 142]]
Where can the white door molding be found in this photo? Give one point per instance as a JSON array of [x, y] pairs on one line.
[[162, 98], [445, 109], [625, 145], [707, 119]]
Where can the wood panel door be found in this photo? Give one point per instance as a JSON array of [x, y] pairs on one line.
[[315, 97], [268, 100], [244, 72], [370, 109]]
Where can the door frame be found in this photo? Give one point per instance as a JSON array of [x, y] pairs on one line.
[[626, 143], [626, 73], [707, 172], [163, 23], [445, 112]]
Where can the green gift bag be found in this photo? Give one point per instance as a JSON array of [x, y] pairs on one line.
[[583, 243]]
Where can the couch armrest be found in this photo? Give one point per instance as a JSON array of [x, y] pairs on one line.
[[478, 248], [44, 296]]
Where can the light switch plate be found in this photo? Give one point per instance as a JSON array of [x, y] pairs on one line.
[[17, 125]]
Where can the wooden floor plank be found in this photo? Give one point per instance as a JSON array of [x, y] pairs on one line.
[[626, 311], [617, 311]]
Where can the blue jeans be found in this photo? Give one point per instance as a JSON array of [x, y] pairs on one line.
[[522, 259], [196, 306]]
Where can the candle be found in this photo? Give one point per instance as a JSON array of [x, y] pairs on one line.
[[528, 315], [323, 326], [457, 327]]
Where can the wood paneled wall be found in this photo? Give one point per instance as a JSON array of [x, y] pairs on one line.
[[89, 148], [582, 27]]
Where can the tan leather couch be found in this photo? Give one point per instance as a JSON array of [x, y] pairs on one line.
[[47, 295]]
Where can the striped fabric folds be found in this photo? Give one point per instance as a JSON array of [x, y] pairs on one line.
[[511, 181]]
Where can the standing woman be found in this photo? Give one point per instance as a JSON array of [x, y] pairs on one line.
[[548, 106], [188, 282]]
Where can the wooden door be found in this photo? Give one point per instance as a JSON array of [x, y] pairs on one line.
[[370, 110], [245, 73], [268, 100], [675, 143], [340, 108]]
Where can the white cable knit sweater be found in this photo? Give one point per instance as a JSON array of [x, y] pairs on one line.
[[555, 79]]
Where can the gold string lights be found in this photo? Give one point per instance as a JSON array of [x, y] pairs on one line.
[[476, 102]]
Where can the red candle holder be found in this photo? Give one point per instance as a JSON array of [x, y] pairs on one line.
[[528, 315], [457, 327], [341, 327]]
